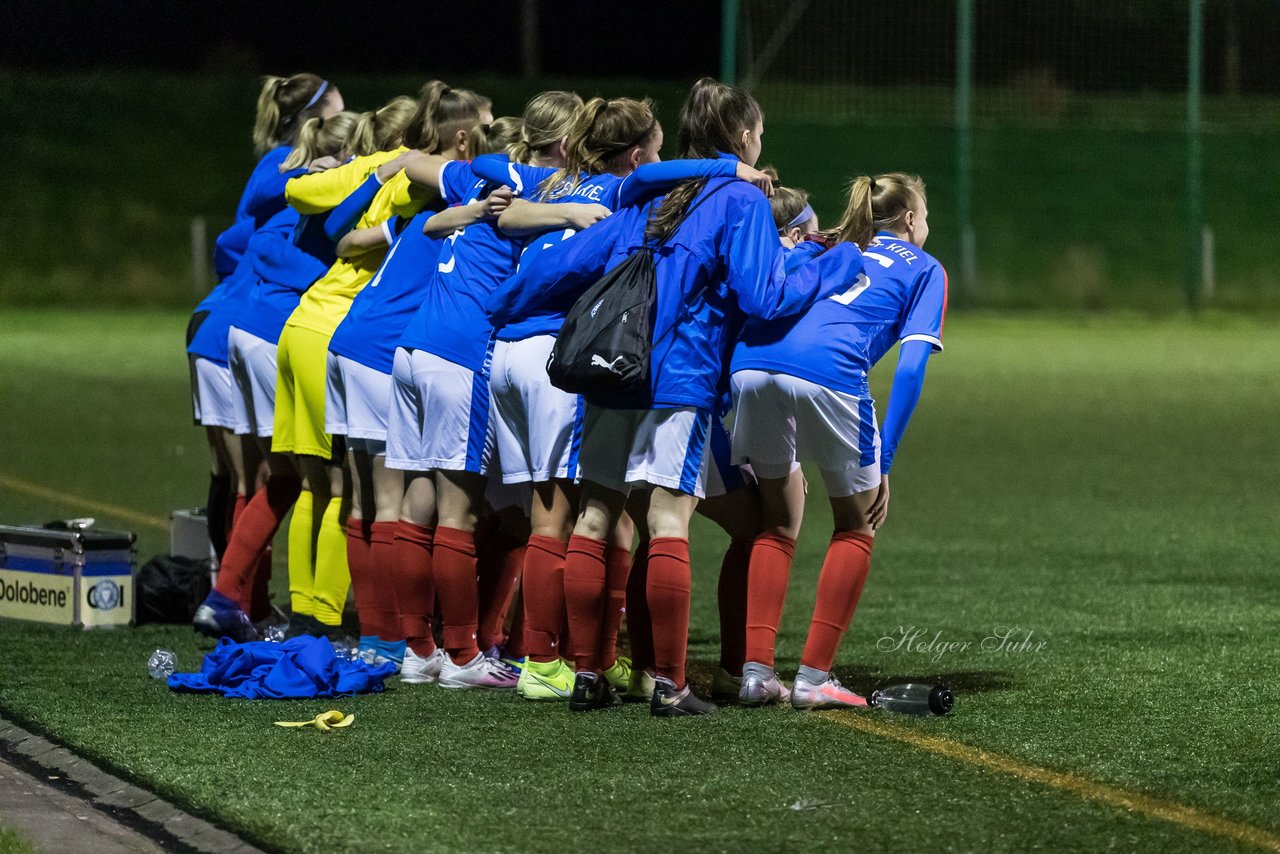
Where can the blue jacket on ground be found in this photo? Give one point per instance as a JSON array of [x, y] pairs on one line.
[[298, 669]]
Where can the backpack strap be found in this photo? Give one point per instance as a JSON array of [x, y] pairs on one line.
[[689, 212]]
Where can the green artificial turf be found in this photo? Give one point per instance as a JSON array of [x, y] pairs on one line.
[[1108, 484], [12, 842]]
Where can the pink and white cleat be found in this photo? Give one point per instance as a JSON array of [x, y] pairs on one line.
[[827, 694], [479, 672]]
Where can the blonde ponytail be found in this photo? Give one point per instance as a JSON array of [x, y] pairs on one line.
[[284, 105], [493, 137], [321, 138], [267, 118], [602, 132], [877, 204], [547, 119], [382, 129]]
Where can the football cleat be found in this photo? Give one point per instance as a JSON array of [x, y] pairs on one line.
[[421, 669], [640, 689], [479, 672], [546, 680], [619, 674], [219, 617], [590, 692], [725, 687], [672, 702], [828, 694], [761, 686]]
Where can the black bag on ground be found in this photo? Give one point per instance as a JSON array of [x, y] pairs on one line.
[[170, 588], [603, 349]]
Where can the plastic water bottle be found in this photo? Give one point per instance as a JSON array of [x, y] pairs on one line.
[[273, 634], [914, 698], [343, 650], [161, 664]]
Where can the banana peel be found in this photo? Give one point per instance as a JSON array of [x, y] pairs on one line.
[[332, 719]]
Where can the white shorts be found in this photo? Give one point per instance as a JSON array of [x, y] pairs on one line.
[[212, 394], [538, 426], [780, 419], [253, 370], [440, 415], [723, 476], [622, 448], [357, 400]]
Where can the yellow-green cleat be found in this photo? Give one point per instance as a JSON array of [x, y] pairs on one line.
[[640, 689], [545, 680], [619, 674]]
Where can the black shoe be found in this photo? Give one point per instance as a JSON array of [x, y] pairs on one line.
[[305, 624], [671, 702], [590, 692]]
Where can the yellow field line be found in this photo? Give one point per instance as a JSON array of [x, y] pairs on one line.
[[1175, 813], [63, 498]]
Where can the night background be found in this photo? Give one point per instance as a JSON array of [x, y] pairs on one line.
[[1094, 462]]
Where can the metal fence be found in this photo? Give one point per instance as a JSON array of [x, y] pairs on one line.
[[1112, 153]]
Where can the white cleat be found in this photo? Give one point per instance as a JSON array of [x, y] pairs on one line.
[[421, 670], [479, 672], [828, 694], [761, 686]]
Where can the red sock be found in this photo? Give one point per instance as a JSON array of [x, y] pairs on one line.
[[260, 595], [639, 629], [237, 502], [543, 591], [359, 559], [844, 571], [771, 556], [617, 566], [453, 563], [731, 595], [668, 593], [515, 639], [584, 585], [415, 586], [258, 523], [504, 559], [384, 613]]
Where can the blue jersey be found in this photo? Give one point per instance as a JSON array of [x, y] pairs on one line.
[[288, 255], [725, 255], [611, 191], [901, 296], [451, 322], [263, 195], [380, 312]]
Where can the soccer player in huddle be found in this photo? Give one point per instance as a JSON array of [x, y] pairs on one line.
[[453, 272]]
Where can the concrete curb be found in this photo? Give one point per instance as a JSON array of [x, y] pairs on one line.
[[153, 817]]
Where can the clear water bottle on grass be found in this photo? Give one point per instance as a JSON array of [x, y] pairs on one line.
[[914, 698], [162, 664]]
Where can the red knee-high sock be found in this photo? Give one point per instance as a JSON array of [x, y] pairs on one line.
[[731, 595], [543, 591], [584, 585], [668, 590], [515, 638], [258, 523], [236, 502], [767, 575], [499, 572], [639, 628], [453, 563], [260, 595], [411, 574], [844, 571], [617, 566], [359, 559], [384, 612]]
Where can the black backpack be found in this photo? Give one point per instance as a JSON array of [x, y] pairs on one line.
[[170, 588], [602, 352]]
